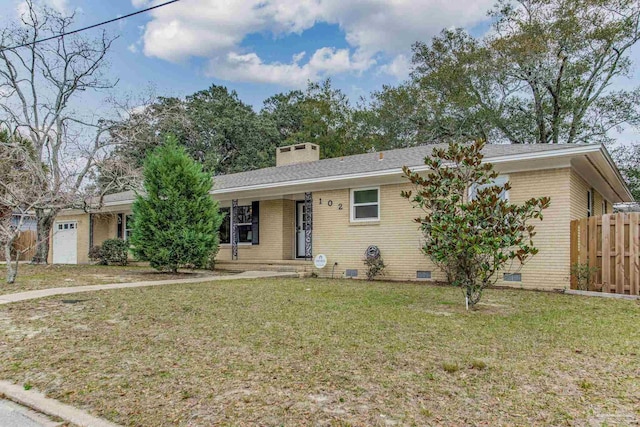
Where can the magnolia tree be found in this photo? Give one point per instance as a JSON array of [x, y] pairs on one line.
[[471, 238]]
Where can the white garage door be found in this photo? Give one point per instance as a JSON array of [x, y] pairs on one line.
[[65, 243]]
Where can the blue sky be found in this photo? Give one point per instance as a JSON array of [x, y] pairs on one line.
[[262, 47]]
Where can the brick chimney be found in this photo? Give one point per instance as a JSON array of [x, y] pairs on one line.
[[298, 153]]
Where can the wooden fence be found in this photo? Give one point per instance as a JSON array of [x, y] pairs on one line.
[[611, 244], [26, 245]]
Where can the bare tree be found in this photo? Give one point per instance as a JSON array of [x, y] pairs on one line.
[[20, 192], [39, 82]]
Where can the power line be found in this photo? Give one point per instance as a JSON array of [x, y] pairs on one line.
[[89, 27]]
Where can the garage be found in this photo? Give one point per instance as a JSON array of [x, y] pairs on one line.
[[65, 242]]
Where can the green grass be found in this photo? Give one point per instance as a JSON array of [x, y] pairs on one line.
[[319, 352], [33, 277]]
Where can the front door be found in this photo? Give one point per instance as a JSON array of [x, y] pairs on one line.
[[300, 234]]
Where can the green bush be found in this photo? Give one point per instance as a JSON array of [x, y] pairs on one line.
[[375, 267], [176, 221], [95, 254], [585, 276], [114, 252]]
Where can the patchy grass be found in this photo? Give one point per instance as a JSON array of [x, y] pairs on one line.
[[320, 352], [32, 277]]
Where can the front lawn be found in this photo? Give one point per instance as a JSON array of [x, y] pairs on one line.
[[319, 352], [32, 277]]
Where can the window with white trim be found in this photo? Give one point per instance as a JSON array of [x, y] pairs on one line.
[[245, 218], [365, 204], [500, 181], [590, 202]]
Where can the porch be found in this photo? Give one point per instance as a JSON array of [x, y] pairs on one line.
[[273, 231], [302, 267]]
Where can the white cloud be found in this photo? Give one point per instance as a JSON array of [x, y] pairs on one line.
[[399, 67], [132, 48], [250, 67], [61, 6], [215, 29]]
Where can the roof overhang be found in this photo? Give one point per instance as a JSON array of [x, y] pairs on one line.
[[592, 162], [605, 177], [599, 170]]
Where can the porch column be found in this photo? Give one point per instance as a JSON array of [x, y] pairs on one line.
[[234, 229], [308, 225]]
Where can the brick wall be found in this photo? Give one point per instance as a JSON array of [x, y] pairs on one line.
[[399, 239]]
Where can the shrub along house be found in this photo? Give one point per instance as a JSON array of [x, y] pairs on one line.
[[285, 215]]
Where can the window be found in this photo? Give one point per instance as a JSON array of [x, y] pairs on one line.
[[245, 218], [128, 226], [365, 204], [225, 227], [501, 180], [590, 202], [245, 224], [604, 207]]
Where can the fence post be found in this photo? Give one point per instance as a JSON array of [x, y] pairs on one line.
[[606, 253], [593, 243], [634, 253], [620, 253], [574, 251]]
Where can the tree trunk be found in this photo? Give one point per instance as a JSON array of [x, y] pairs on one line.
[[12, 271], [45, 221]]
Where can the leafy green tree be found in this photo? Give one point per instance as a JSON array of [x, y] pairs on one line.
[[543, 74], [389, 119], [628, 160], [214, 126], [176, 221], [470, 238], [230, 136], [321, 115]]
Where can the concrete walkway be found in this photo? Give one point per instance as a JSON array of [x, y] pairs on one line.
[[41, 403], [14, 415], [29, 295]]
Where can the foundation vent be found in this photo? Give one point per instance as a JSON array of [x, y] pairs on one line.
[[351, 272], [512, 277], [421, 274]]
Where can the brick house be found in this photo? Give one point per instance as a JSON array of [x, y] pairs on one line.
[[285, 215]]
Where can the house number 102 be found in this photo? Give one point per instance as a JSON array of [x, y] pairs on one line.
[[330, 204]]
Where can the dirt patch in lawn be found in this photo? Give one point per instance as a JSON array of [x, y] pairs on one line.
[[33, 277], [319, 352]]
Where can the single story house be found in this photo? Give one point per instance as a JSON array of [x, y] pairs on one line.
[[284, 216]]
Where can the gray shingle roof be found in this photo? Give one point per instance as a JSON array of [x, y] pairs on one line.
[[362, 163]]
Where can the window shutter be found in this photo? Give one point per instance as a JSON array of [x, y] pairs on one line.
[[120, 225], [255, 223]]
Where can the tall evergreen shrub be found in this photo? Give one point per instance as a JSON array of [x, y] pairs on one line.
[[176, 221]]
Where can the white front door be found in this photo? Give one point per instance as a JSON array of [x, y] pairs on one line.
[[300, 234], [65, 242]]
